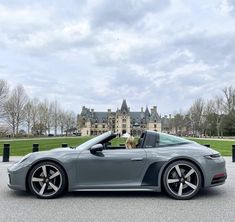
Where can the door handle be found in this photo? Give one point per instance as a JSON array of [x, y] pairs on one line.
[[137, 159]]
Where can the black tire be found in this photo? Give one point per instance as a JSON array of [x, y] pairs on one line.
[[48, 186], [182, 180]]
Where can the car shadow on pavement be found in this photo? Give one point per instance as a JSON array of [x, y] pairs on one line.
[[19, 194], [114, 194], [212, 192], [202, 194]]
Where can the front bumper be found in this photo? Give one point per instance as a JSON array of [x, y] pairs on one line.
[[215, 172], [17, 176], [219, 179]]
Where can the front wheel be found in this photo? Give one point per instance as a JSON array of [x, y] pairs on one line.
[[182, 180], [47, 180]]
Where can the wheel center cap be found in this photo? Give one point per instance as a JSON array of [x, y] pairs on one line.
[[182, 180]]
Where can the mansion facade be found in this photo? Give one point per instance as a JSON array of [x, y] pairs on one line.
[[122, 121]]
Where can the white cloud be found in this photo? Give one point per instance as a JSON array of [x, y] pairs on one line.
[[225, 7], [96, 53]]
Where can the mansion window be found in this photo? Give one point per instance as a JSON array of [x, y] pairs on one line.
[[123, 125]]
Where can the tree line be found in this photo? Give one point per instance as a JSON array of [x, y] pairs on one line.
[[20, 114], [213, 117]]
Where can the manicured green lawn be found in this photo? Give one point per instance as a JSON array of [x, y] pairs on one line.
[[224, 147], [22, 147]]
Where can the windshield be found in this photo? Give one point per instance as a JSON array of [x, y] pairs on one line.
[[94, 141], [166, 140]]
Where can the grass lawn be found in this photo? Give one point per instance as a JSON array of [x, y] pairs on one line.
[[22, 147], [224, 147]]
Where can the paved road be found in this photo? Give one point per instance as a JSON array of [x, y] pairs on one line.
[[215, 204]]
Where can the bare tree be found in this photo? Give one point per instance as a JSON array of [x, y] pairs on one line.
[[34, 114], [229, 102], [61, 120], [14, 108], [4, 130], [55, 110], [219, 111], [4, 91], [44, 123], [70, 122], [28, 115], [209, 117], [229, 109], [178, 123], [196, 115]]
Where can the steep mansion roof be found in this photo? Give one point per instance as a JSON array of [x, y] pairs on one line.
[[136, 117]]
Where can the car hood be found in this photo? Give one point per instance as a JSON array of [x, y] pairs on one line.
[[59, 154], [212, 151], [54, 153], [60, 149]]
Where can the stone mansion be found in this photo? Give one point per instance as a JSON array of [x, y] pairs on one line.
[[122, 121]]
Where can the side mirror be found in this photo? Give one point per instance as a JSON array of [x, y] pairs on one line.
[[96, 148]]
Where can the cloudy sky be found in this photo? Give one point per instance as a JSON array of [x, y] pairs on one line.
[[95, 53]]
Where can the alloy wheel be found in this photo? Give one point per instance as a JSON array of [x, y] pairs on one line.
[[182, 180], [46, 180]]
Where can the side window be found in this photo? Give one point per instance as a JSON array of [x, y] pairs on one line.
[[166, 139], [150, 141]]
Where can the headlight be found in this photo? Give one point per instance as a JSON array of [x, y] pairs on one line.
[[213, 156]]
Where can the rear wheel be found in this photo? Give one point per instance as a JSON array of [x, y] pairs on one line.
[[47, 180], [182, 180]]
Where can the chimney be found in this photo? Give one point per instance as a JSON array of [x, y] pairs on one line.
[[142, 109], [92, 113], [109, 110]]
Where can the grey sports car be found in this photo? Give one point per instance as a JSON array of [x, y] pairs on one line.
[[159, 162]]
